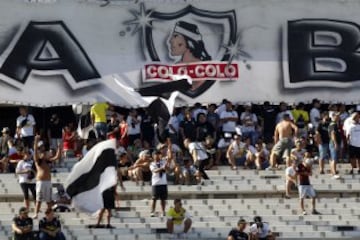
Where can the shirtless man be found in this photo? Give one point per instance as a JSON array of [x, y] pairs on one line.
[[42, 161], [283, 138]]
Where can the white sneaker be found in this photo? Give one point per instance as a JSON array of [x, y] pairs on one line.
[[335, 176]]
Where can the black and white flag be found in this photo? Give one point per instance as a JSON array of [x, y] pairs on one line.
[[90, 177]]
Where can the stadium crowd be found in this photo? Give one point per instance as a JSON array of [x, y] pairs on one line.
[[197, 139]]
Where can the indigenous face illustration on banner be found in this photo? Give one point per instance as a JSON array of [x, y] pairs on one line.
[[177, 45]]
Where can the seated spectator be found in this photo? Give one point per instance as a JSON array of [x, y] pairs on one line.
[[261, 156], [140, 170], [238, 233], [236, 152], [179, 221], [50, 227], [123, 166], [14, 158], [222, 147], [260, 230], [189, 173], [209, 144], [22, 225], [291, 178], [134, 150]]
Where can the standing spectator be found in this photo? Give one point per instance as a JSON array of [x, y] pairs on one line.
[[304, 171], [147, 128], [249, 123], [204, 128], [229, 119], [174, 127], [197, 110], [323, 140], [109, 203], [124, 138], [55, 131], [98, 118], [335, 143], [159, 167], [113, 127], [133, 122], [178, 219], [50, 227], [283, 137], [239, 232], [260, 230], [212, 117], [69, 141], [283, 110], [25, 127], [301, 119], [22, 226], [4, 149], [26, 177], [290, 178], [298, 152], [187, 127], [268, 115], [353, 136], [199, 155], [222, 107], [315, 117], [42, 161]]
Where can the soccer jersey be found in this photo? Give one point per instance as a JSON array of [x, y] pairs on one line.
[[177, 217]]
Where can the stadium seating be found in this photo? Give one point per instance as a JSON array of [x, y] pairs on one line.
[[215, 207]]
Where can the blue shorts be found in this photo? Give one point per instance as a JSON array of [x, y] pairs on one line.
[[324, 151], [334, 153]]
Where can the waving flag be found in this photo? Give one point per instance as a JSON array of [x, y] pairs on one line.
[[89, 178]]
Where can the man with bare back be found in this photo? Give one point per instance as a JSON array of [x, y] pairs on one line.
[[42, 160], [284, 133]]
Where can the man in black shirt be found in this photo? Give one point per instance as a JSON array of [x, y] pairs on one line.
[[335, 143], [322, 140], [50, 227], [238, 233], [22, 225]]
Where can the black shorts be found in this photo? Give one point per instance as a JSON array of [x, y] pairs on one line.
[[354, 152], [109, 198], [160, 192], [25, 187]]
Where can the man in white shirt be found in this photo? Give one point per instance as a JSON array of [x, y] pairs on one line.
[[229, 119], [133, 121], [25, 127], [315, 113], [159, 167], [353, 137]]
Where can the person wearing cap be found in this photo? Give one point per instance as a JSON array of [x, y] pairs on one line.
[[22, 225], [335, 143], [42, 160], [304, 171], [239, 233], [222, 147], [25, 127], [178, 219], [260, 230], [140, 170], [159, 166]]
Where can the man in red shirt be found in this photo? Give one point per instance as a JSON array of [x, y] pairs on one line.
[[304, 172]]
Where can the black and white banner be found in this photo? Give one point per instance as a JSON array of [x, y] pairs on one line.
[[89, 178]]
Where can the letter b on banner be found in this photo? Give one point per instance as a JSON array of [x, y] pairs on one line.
[[323, 50]]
